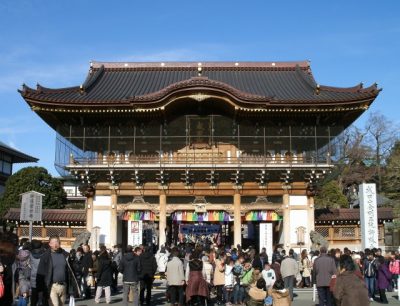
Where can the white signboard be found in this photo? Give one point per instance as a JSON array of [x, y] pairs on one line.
[[31, 206], [266, 238], [135, 233], [369, 216]]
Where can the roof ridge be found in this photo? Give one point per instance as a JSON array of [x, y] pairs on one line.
[[206, 64]]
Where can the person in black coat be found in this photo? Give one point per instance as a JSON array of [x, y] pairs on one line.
[[104, 275], [55, 277], [87, 264], [130, 267], [149, 267]]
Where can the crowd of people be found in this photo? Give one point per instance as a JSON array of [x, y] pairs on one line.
[[45, 274]]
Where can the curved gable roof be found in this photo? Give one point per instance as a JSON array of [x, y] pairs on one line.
[[280, 83]]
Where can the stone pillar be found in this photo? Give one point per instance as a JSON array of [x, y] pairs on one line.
[[311, 221], [237, 222], [113, 221], [286, 222], [89, 212], [162, 219]]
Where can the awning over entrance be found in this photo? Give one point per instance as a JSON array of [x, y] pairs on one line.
[[139, 215], [262, 215], [209, 216]]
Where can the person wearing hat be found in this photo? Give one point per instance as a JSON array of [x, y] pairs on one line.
[[22, 276], [36, 252]]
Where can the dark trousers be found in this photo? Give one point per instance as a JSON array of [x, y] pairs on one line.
[[289, 281], [176, 294], [114, 286], [382, 295], [324, 296], [145, 285], [220, 294]]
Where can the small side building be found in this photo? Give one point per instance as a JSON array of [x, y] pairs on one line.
[[342, 227], [8, 157]]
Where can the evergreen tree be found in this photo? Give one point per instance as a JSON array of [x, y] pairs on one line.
[[331, 196], [33, 179]]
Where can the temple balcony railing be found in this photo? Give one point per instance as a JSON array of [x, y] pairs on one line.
[[199, 161]]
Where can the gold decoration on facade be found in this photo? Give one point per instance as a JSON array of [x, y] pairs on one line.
[[199, 97]]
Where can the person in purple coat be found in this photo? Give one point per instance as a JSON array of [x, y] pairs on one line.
[[383, 278]]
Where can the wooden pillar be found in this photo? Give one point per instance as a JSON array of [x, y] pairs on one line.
[[286, 222], [163, 219], [237, 222], [89, 213], [113, 221], [311, 221]]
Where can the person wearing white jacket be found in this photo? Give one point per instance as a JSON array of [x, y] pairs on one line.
[[268, 275], [162, 260], [229, 280]]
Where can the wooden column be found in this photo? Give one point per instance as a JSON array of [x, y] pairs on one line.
[[113, 221], [89, 212], [286, 222], [237, 222], [311, 221], [163, 219]]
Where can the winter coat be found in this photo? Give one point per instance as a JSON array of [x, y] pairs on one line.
[[162, 260], [350, 290], [175, 273], [130, 268], [383, 277], [87, 262], [196, 285], [44, 277], [324, 267], [116, 259], [306, 267], [246, 277], [149, 265], [34, 260], [289, 267], [257, 294], [23, 272], [219, 273], [394, 266], [280, 297], [277, 268], [229, 279], [104, 272], [269, 277], [207, 272]]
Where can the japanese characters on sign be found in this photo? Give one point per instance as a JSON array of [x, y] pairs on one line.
[[266, 232], [368, 215], [31, 206]]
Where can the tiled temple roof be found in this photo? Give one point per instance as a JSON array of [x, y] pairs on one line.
[[149, 84]]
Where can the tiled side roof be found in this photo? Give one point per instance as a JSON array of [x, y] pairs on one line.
[[347, 214], [17, 156], [127, 83], [52, 215]]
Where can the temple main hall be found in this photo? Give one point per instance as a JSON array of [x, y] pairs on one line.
[[175, 152]]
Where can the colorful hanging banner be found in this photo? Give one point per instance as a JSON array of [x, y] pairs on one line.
[[139, 215], [262, 215], [209, 216]]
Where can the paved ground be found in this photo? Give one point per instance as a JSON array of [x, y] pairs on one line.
[[303, 298]]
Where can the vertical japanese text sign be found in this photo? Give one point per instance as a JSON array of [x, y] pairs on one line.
[[369, 216], [31, 206]]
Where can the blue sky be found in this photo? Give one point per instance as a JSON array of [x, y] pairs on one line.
[[52, 43]]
